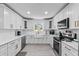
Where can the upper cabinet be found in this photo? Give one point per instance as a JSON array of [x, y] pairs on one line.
[[1, 16], [71, 12], [9, 19]]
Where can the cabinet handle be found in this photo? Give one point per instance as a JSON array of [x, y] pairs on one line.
[[16, 46], [57, 41]]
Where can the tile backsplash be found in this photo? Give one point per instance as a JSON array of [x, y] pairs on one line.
[[73, 31], [7, 33], [76, 31]]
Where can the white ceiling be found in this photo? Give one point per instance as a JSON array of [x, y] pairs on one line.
[[37, 9]]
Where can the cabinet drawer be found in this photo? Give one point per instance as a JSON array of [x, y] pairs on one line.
[[18, 45], [73, 51], [69, 50]]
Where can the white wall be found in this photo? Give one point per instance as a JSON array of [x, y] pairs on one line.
[[6, 35]]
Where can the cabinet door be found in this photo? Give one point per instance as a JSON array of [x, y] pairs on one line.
[[1, 16], [50, 40], [7, 18], [51, 43], [73, 14], [14, 19], [12, 48], [17, 21], [68, 51], [3, 50], [18, 45], [22, 24], [28, 39], [44, 39], [65, 52]]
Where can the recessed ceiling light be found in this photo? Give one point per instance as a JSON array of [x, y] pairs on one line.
[[28, 12], [46, 12]]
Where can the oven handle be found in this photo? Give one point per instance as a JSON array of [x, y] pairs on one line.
[[57, 41]]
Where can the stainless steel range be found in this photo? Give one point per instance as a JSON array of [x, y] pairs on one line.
[[57, 43]]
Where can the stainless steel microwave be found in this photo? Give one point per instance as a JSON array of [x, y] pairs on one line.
[[63, 24]]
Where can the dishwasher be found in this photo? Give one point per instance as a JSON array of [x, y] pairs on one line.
[[23, 42]]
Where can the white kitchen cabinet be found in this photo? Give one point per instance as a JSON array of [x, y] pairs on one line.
[[51, 43], [22, 25], [68, 51], [12, 48], [50, 40], [16, 20], [18, 45], [9, 19], [71, 12], [5, 17], [3, 50], [29, 39], [45, 40], [1, 16], [40, 39], [73, 15]]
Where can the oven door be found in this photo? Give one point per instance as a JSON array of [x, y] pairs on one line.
[[57, 46]]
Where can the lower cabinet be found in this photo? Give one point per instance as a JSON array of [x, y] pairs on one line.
[[14, 47], [11, 48], [50, 40], [18, 45], [40, 39], [68, 51], [3, 50], [51, 43]]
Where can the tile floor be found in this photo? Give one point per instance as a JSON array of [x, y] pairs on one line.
[[37, 50]]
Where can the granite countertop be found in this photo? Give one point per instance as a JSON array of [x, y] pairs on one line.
[[5, 40], [40, 36], [72, 44], [69, 37]]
